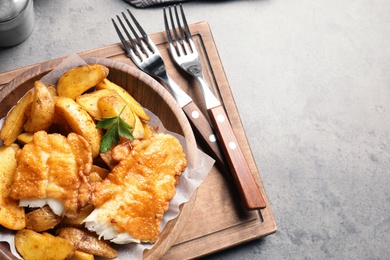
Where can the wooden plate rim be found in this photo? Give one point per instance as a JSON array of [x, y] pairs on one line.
[[174, 227]]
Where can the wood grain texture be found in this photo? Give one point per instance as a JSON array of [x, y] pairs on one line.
[[218, 219], [245, 182], [205, 132]]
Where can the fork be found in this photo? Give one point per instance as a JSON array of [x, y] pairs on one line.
[[184, 53], [145, 55]]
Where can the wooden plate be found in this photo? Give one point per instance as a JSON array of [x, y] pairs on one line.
[[149, 93]]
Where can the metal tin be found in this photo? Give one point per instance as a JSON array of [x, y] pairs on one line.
[[16, 21]]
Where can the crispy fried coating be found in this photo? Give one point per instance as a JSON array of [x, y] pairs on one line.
[[57, 167], [135, 195]]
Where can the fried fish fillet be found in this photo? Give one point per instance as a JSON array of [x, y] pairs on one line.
[[130, 202], [53, 169]]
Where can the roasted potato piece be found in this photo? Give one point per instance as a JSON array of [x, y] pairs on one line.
[[52, 90], [25, 138], [101, 171], [42, 109], [89, 101], [86, 242], [77, 222], [79, 255], [76, 81], [133, 104], [58, 118], [32, 245], [108, 159], [138, 129], [94, 177], [42, 219], [11, 215], [80, 122], [148, 131], [110, 106], [13, 124]]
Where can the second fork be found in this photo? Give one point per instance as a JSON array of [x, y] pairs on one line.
[[184, 53]]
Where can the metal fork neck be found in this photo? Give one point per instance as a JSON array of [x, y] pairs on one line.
[[180, 96], [195, 70], [209, 96]]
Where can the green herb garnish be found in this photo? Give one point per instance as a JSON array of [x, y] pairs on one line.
[[116, 128]]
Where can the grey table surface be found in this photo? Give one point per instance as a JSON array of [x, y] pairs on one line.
[[311, 80]]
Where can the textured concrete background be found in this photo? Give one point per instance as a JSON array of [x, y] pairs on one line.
[[311, 80]]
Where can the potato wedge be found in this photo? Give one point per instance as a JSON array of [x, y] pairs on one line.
[[25, 138], [32, 245], [110, 106], [101, 171], [148, 130], [52, 90], [80, 122], [42, 219], [78, 222], [133, 104], [108, 159], [11, 215], [13, 124], [79, 255], [89, 101], [76, 81], [58, 116], [94, 177], [138, 129], [86, 242], [42, 109]]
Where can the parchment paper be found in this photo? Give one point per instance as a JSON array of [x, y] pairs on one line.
[[199, 165]]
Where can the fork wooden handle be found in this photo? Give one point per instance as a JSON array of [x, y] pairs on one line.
[[205, 131], [247, 186]]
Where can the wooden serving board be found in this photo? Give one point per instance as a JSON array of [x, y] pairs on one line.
[[218, 219]]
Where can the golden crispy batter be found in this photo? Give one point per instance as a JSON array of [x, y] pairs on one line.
[[135, 195], [57, 167], [11, 215]]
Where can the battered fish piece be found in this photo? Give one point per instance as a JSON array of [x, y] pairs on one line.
[[130, 202], [53, 169]]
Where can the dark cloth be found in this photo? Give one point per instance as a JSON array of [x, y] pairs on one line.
[[146, 3]]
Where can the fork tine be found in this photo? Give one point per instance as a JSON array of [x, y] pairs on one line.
[[145, 41], [187, 30], [173, 24], [131, 46], [181, 31], [179, 48], [167, 29], [141, 47], [131, 28], [128, 48], [172, 46], [140, 29]]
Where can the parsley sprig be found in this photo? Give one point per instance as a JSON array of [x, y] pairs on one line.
[[116, 128]]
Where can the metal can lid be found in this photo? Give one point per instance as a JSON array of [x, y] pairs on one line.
[[9, 9]]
